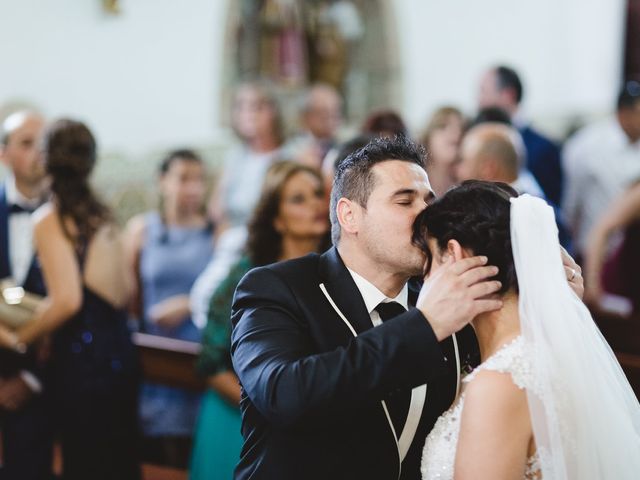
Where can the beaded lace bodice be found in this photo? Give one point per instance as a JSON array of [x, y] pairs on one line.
[[438, 456]]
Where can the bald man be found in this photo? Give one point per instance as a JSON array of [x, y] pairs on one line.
[[24, 418], [321, 116], [495, 152]]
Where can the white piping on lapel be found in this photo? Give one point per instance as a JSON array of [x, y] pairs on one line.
[[458, 373], [418, 397], [335, 307], [384, 405]]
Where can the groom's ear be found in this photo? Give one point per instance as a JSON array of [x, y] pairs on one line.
[[456, 251], [348, 214]]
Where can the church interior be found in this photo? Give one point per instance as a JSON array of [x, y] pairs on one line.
[[186, 105]]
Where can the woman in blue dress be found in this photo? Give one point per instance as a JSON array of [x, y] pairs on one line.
[[94, 374], [290, 220], [168, 250]]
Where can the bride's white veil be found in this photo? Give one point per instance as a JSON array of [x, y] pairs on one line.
[[585, 416]]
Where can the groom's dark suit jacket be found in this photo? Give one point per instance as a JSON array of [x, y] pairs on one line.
[[311, 401]]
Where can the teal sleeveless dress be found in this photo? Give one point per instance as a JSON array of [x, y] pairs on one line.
[[217, 440]]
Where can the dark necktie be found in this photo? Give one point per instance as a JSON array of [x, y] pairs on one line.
[[15, 208], [398, 401], [389, 310]]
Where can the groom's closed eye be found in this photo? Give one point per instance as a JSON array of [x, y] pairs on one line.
[[408, 196]]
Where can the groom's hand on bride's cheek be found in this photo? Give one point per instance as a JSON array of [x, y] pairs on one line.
[[573, 272], [456, 293]]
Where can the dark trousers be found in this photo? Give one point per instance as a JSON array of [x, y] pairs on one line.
[[98, 435], [27, 440]]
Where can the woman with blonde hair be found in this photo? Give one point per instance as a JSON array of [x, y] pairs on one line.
[[442, 139]]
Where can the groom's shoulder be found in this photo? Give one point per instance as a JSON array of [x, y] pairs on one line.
[[282, 282]]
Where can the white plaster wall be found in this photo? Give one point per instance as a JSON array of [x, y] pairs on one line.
[[150, 78], [145, 78], [568, 52]]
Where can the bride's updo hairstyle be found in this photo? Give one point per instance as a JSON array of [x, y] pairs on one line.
[[69, 158], [477, 215]]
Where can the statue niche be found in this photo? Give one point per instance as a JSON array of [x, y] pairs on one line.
[[296, 43]]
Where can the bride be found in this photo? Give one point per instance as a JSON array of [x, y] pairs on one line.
[[549, 400]]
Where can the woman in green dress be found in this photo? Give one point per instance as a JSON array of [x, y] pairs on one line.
[[290, 220]]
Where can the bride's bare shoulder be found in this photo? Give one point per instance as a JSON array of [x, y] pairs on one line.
[[494, 394]]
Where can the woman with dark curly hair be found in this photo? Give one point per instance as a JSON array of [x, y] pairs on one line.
[[94, 373], [289, 221]]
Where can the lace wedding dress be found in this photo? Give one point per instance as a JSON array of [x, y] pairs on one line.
[[438, 457]]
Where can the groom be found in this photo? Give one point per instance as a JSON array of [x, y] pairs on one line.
[[343, 377]]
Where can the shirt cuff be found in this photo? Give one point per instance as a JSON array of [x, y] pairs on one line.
[[32, 382]]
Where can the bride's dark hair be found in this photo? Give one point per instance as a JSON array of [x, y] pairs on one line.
[[477, 215], [69, 156]]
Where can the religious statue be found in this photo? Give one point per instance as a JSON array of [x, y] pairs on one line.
[[295, 43], [283, 55], [332, 28]]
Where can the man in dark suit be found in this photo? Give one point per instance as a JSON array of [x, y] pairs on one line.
[[501, 87], [25, 421], [325, 394]]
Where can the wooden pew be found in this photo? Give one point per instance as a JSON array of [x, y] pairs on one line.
[[157, 472], [169, 362], [623, 334]]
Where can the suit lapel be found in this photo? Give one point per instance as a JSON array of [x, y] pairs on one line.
[[343, 291], [5, 265]]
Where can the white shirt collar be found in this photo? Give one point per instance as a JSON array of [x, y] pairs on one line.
[[518, 120], [14, 197], [373, 297]]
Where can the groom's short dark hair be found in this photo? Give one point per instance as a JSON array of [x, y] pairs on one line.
[[354, 179]]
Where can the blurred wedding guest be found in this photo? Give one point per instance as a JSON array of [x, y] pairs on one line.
[[527, 183], [615, 272], [257, 122], [601, 161], [168, 249], [384, 123], [490, 114], [321, 117], [500, 86], [442, 140], [93, 368], [289, 221], [24, 419], [495, 152]]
